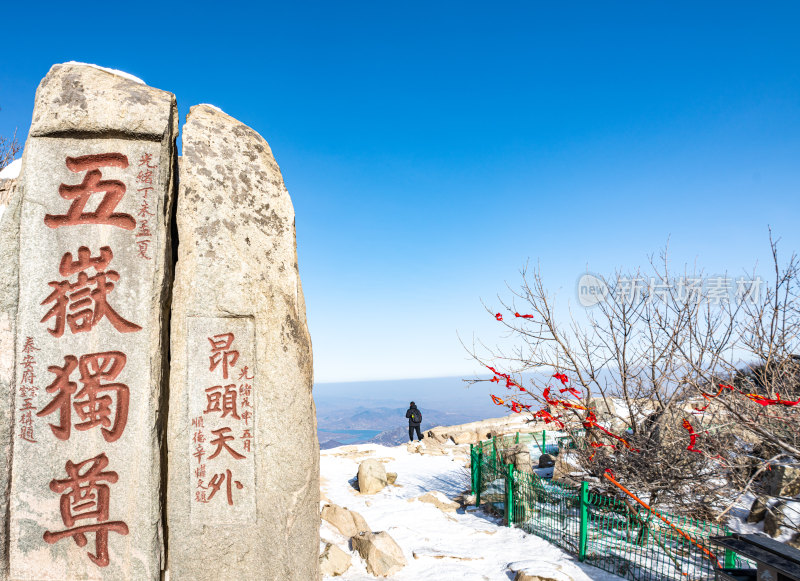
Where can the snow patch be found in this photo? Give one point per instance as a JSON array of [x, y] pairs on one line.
[[122, 74], [11, 171], [466, 544], [213, 107]]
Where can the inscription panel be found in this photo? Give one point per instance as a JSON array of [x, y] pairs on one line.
[[220, 379]]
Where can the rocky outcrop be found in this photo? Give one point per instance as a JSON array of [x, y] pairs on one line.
[[474, 432], [371, 476], [381, 553]]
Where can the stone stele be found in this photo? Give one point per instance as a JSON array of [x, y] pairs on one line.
[[243, 460], [96, 196]]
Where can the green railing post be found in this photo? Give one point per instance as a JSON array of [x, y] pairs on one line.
[[517, 440], [544, 440], [494, 455], [584, 520], [510, 496], [472, 469], [479, 480]]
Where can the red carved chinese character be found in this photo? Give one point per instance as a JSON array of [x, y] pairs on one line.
[[84, 497], [222, 442], [145, 161], [94, 409], [219, 345], [145, 176], [142, 244], [222, 400], [244, 372], [26, 427], [246, 415], [112, 191], [86, 306], [216, 482]]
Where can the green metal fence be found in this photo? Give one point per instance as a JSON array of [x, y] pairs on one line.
[[614, 534]]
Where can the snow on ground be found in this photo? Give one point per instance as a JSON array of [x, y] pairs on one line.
[[469, 545], [738, 518]]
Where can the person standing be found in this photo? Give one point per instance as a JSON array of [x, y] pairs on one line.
[[414, 420]]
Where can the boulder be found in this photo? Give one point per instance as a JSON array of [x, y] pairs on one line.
[[371, 476], [758, 510], [333, 561], [547, 461], [774, 519], [241, 368], [564, 466], [382, 554], [438, 500], [347, 522], [391, 477], [782, 481], [520, 456]]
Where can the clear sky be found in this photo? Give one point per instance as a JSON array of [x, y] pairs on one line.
[[431, 148]]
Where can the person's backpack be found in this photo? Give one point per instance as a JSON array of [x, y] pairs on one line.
[[416, 416]]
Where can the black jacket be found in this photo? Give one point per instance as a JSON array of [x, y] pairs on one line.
[[408, 415]]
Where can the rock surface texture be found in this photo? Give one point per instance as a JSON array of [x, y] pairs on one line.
[[382, 554], [371, 476], [94, 241], [243, 487]]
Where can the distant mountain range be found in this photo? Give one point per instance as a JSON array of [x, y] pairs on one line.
[[382, 425], [374, 411]]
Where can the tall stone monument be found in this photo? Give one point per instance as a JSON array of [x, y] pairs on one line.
[[243, 461], [94, 271]]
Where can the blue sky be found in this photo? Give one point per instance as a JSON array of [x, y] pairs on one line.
[[432, 148]]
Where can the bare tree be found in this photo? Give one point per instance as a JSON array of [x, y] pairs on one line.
[[9, 148], [638, 380]]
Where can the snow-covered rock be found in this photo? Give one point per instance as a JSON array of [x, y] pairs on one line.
[[381, 552], [371, 476], [438, 500]]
